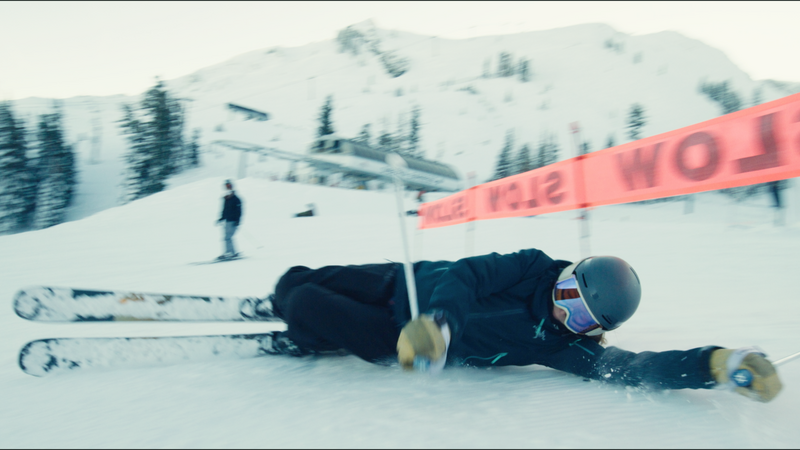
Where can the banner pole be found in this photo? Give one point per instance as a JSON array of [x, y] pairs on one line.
[[469, 243], [584, 212]]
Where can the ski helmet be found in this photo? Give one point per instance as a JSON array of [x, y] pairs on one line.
[[608, 286]]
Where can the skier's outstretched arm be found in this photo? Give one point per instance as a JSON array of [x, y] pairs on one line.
[[698, 368]]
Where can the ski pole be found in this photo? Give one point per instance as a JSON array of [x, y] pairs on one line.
[[397, 163], [786, 359], [253, 239], [744, 377]]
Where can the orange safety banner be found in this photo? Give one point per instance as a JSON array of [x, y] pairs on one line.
[[755, 145]]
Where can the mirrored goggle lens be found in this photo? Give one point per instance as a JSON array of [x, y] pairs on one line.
[[567, 289], [579, 320]]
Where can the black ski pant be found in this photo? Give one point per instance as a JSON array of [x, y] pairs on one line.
[[340, 307]]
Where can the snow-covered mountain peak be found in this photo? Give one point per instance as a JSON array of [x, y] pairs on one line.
[[470, 94]]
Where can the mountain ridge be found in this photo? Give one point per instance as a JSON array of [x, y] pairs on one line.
[[590, 74]]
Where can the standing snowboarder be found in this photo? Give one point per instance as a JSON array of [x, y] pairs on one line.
[[493, 310], [231, 217]]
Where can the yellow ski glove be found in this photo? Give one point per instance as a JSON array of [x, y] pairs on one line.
[[729, 368], [422, 338]]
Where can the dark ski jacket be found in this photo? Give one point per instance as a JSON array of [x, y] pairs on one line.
[[499, 309], [231, 209]]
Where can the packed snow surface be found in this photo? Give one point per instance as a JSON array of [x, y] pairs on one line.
[[721, 274]]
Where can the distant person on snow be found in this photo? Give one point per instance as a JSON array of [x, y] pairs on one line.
[[307, 213], [231, 217], [495, 310]]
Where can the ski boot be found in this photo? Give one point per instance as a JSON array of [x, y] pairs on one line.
[[258, 308], [276, 343]]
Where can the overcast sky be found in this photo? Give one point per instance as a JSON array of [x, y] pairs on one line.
[[65, 49]]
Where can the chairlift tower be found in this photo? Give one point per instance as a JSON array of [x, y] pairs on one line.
[[249, 114], [97, 135]]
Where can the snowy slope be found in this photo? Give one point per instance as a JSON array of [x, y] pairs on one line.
[[590, 74], [719, 275]]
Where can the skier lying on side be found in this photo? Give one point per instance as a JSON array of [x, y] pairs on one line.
[[494, 310]]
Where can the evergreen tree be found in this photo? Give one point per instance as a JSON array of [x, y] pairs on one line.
[[17, 175], [165, 113], [610, 142], [505, 166], [350, 40], [142, 178], [728, 100], [553, 151], [155, 134], [413, 133], [541, 154], [365, 135], [387, 141], [393, 64], [194, 149], [181, 158], [758, 96], [57, 172], [524, 70], [636, 120], [537, 157], [548, 151], [524, 161], [325, 120], [505, 67], [400, 139]]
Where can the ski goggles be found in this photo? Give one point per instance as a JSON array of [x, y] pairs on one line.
[[568, 298]]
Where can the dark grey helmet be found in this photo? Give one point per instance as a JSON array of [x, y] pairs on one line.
[[610, 288]]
